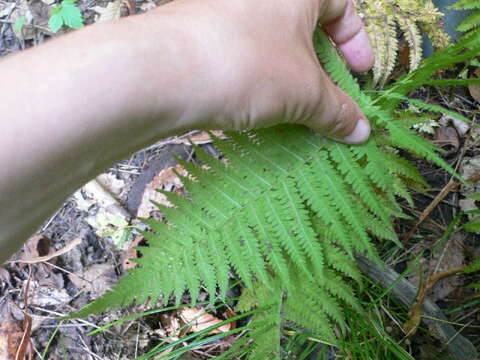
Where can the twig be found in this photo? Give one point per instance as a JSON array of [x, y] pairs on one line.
[[451, 186], [412, 324], [40, 259], [458, 346]]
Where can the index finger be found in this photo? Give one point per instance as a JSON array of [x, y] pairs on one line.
[[342, 23]]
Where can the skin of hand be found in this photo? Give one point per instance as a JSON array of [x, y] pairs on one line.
[[76, 105]]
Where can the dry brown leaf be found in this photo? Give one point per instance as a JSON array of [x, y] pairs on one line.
[[11, 332], [165, 180], [199, 320], [96, 279], [447, 137]]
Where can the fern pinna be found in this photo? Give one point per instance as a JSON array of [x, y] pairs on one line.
[[472, 21], [286, 214]]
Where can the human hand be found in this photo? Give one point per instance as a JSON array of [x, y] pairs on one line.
[[259, 67]]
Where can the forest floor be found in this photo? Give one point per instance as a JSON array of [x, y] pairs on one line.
[[83, 249]]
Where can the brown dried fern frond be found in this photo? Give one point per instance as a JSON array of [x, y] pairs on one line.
[[384, 18]]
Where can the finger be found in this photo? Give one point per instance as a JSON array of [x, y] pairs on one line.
[[338, 116], [342, 23]]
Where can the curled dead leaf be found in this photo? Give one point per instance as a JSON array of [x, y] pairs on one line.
[[198, 320], [166, 180]]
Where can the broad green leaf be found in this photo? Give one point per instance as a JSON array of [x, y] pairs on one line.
[[72, 16], [65, 14], [56, 21]]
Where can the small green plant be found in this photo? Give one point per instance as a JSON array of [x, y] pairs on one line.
[[65, 14]]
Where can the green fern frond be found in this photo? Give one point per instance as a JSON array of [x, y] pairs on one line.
[[285, 213], [472, 21], [466, 4]]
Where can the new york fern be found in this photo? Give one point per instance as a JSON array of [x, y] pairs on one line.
[[286, 215]]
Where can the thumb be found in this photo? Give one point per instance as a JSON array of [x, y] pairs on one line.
[[338, 116]]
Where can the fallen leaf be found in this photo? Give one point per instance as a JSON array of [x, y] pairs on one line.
[[197, 319], [96, 279], [165, 180], [46, 292], [111, 183], [462, 127], [11, 332], [111, 12], [447, 137]]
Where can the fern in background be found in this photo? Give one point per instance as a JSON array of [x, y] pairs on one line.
[[286, 215], [382, 18], [472, 21]]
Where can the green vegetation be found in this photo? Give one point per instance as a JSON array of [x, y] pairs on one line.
[[472, 22], [65, 14], [287, 213]]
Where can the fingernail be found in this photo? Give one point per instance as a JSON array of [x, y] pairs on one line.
[[360, 134]]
